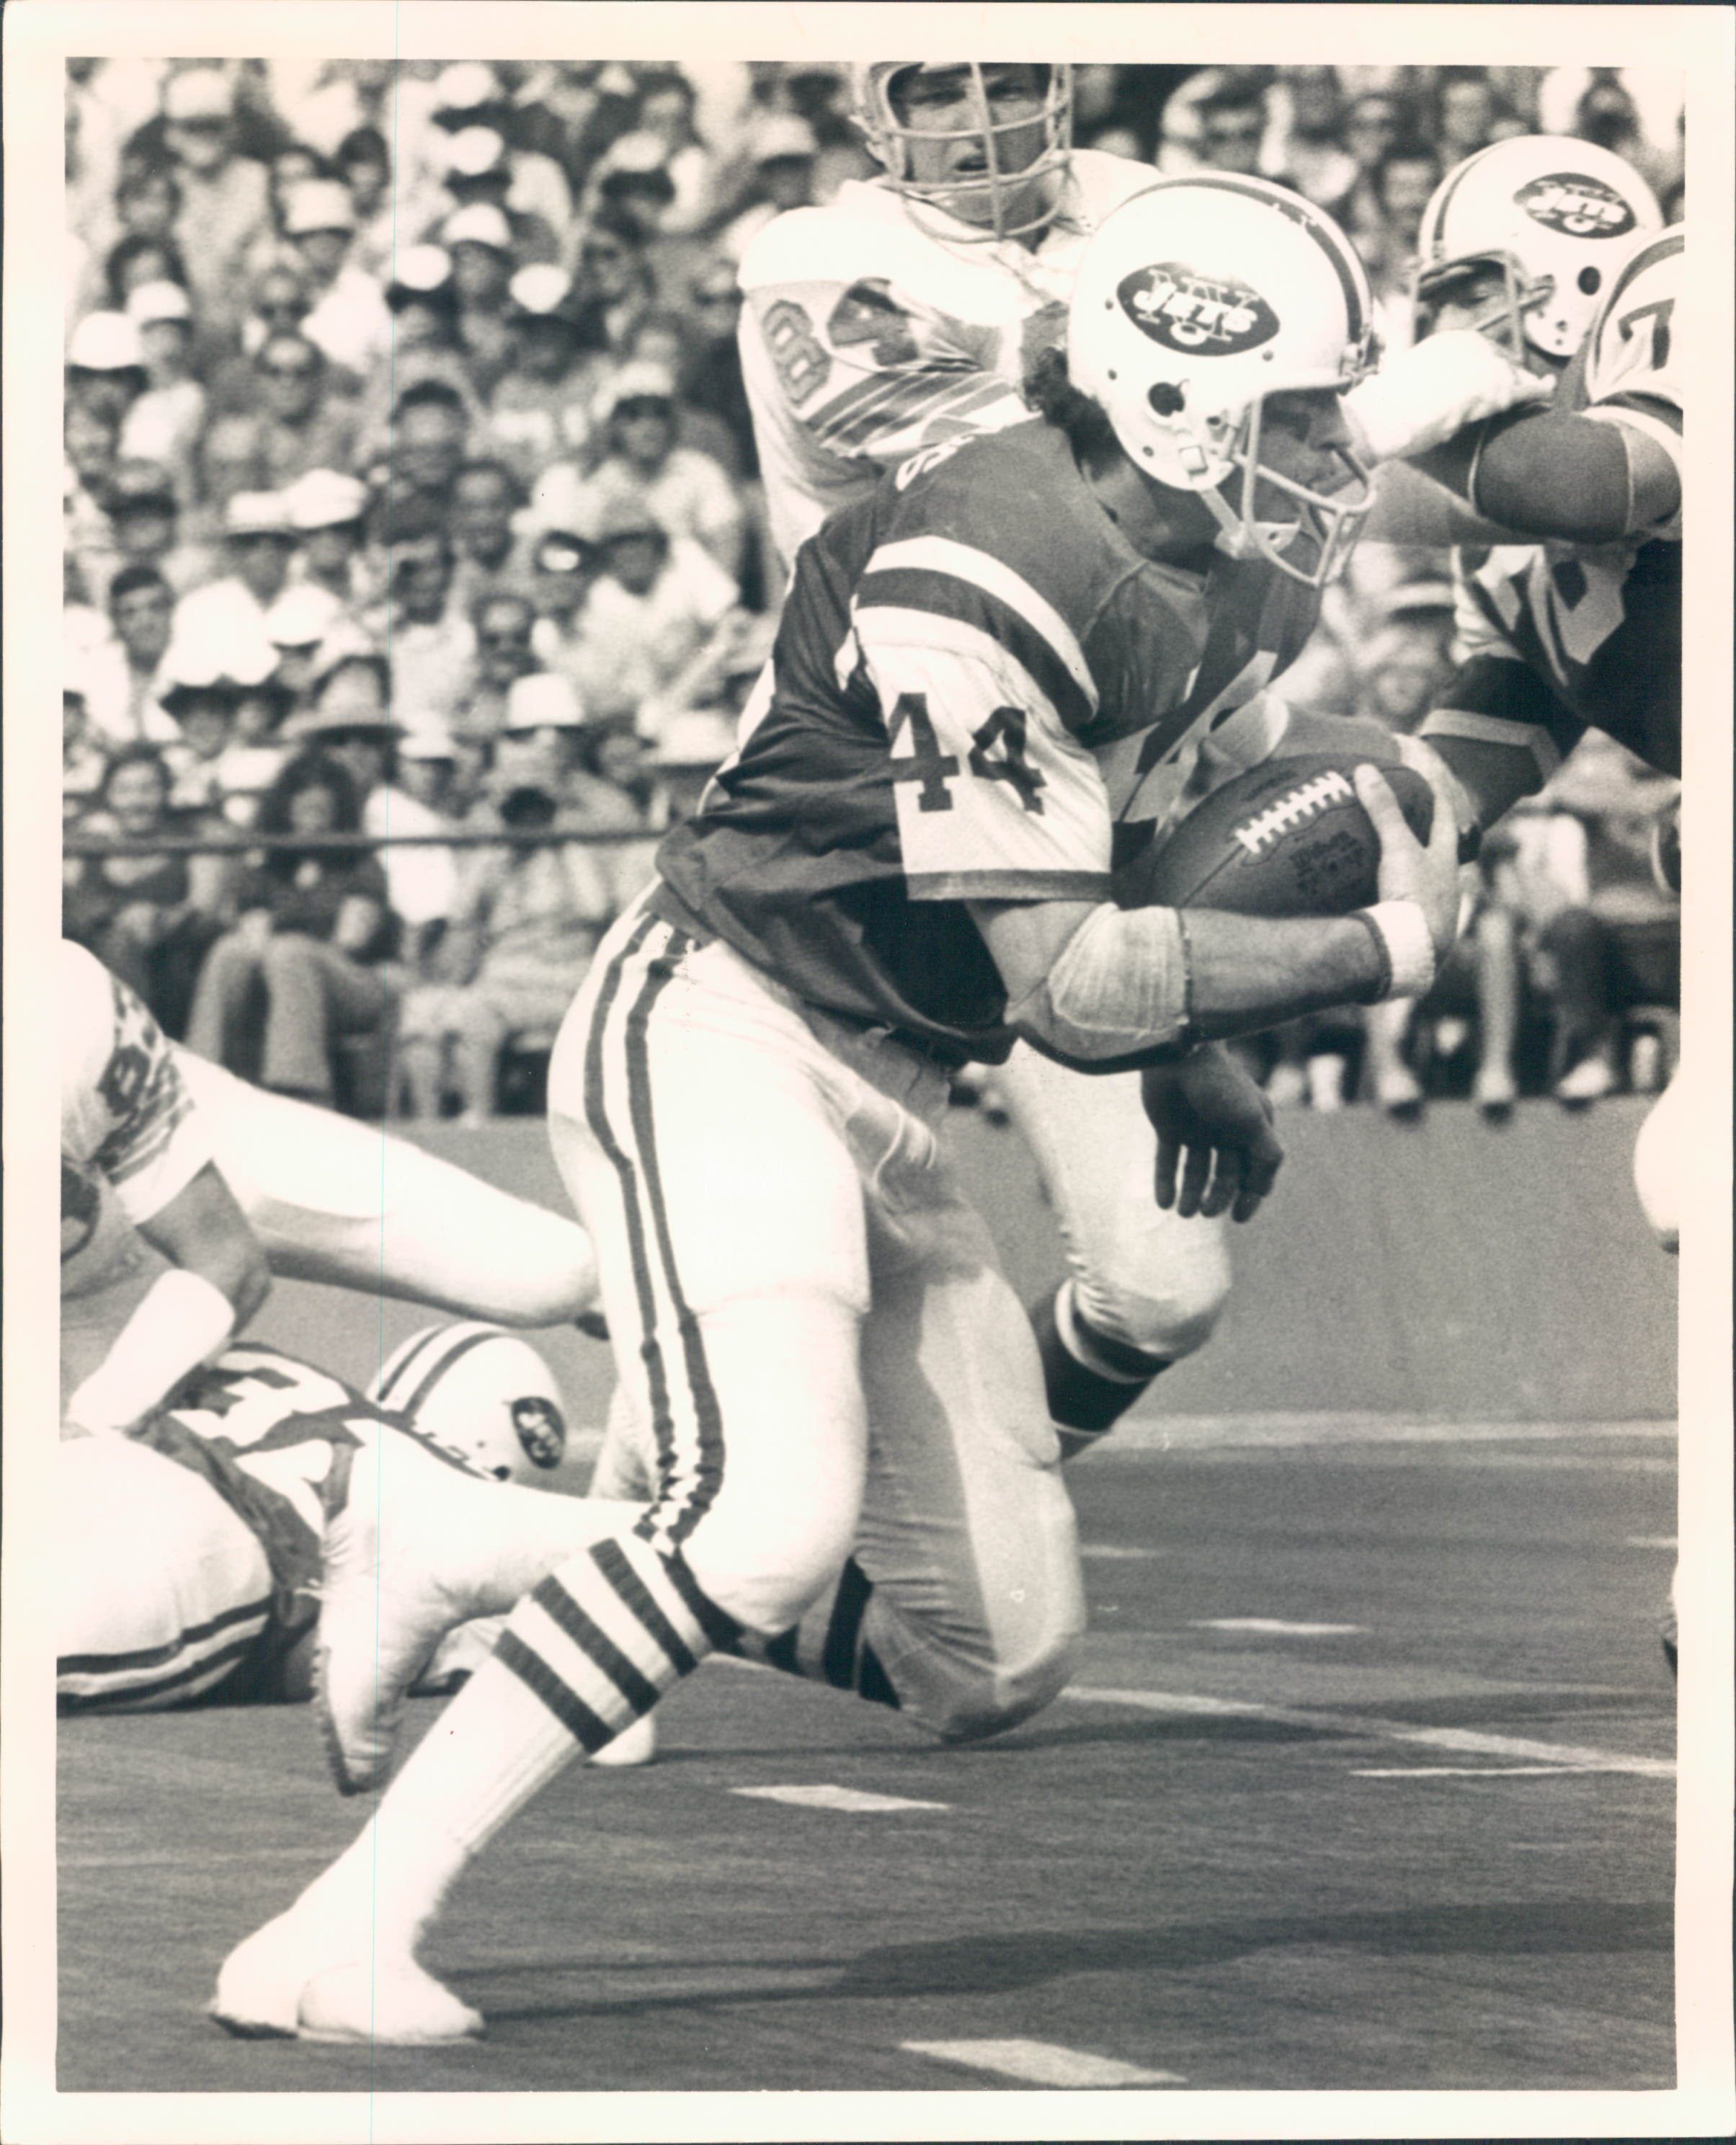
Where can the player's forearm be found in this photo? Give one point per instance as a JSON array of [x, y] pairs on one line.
[[183, 1321], [1554, 473], [1251, 972]]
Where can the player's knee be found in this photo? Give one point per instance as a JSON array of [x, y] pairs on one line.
[[1164, 1307], [975, 1698]]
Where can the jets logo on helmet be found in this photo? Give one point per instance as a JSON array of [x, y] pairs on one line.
[[1581, 207], [1196, 301], [481, 1392], [1519, 235], [1184, 310]]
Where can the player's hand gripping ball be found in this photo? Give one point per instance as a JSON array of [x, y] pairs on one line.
[[1288, 837]]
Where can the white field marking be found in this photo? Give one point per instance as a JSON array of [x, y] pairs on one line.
[[1651, 1541], [1473, 1742], [1274, 1625], [838, 1798], [1040, 2063], [1113, 1552], [1157, 1433], [1459, 1772]]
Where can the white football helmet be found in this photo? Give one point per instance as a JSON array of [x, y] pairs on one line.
[[1021, 202], [1555, 215], [1195, 302], [481, 1392]]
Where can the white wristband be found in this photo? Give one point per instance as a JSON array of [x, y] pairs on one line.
[[181, 1319], [1403, 930]]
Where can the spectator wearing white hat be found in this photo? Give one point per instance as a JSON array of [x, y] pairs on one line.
[[667, 103], [259, 543], [210, 676], [349, 319], [166, 422], [481, 167], [431, 642], [684, 488], [540, 408], [480, 242], [225, 196], [301, 622], [426, 346], [299, 422], [563, 566], [526, 921], [781, 151], [92, 439], [327, 510], [106, 366]]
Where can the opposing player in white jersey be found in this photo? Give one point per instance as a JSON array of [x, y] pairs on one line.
[[135, 1157], [907, 313], [908, 858]]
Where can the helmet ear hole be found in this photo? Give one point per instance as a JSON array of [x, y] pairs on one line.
[[1591, 282], [1166, 398]]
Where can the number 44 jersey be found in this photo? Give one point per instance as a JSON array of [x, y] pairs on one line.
[[953, 712], [1556, 638]]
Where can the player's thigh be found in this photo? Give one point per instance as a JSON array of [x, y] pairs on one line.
[[967, 1528], [703, 1149], [335, 1201], [160, 1587], [1144, 1274]]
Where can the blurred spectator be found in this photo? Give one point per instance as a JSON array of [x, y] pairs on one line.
[[685, 490], [302, 621], [149, 918], [781, 155], [1306, 151], [614, 283], [125, 676], [347, 318], [630, 184], [1232, 127], [259, 543], [217, 762], [537, 746], [433, 645], [563, 568], [312, 928], [504, 624], [278, 303], [713, 381], [165, 423], [479, 172], [666, 108], [540, 408], [105, 366], [664, 341], [91, 438], [426, 349], [1372, 123], [136, 260], [82, 761], [1466, 113], [225, 196], [297, 423], [430, 436], [490, 559], [480, 247], [656, 603], [1606, 110], [470, 95], [328, 512], [522, 935], [363, 163], [1400, 188], [145, 524]]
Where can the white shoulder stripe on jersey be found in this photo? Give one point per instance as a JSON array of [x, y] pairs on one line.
[[944, 554], [1495, 729], [896, 625]]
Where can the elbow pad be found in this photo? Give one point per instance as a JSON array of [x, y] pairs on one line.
[[1120, 985]]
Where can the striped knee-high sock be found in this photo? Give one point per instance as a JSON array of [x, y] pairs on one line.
[[588, 1653], [828, 1645]]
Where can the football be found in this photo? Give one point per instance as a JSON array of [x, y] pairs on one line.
[[1288, 837]]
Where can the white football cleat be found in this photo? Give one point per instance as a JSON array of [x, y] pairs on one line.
[[636, 1745], [383, 1606], [291, 1981]]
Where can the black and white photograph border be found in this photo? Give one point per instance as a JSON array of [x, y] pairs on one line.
[[1273, 1867]]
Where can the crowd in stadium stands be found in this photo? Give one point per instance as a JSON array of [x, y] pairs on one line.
[[410, 490]]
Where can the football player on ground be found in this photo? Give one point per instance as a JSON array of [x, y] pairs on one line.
[[905, 315], [906, 860], [189, 1553]]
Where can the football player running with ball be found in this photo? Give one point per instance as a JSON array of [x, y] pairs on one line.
[[907, 862]]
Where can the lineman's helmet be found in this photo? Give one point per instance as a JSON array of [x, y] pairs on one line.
[[1019, 202], [1196, 301], [1555, 215], [482, 1391]]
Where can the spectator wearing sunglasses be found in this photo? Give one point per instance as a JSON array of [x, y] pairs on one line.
[[297, 423]]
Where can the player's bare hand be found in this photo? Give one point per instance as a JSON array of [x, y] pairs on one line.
[[1426, 395], [1427, 875], [1216, 1150]]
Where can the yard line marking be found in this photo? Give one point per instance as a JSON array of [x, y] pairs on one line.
[[1473, 1742], [1159, 1433], [1275, 1626], [1458, 1771], [838, 1798], [1040, 2063], [1651, 1541], [1113, 1552]]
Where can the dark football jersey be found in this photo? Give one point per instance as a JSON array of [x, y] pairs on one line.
[[1557, 638], [974, 678]]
